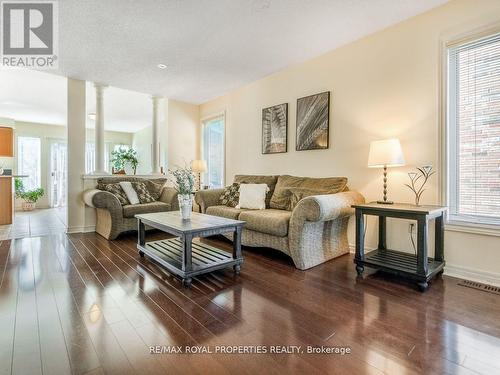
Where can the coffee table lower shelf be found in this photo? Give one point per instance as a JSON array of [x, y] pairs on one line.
[[205, 258]]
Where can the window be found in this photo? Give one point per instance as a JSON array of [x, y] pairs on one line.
[[213, 151], [473, 124], [90, 156], [28, 161]]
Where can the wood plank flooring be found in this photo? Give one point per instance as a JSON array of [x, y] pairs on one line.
[[78, 304]]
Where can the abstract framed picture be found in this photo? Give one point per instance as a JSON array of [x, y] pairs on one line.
[[313, 122], [275, 129]]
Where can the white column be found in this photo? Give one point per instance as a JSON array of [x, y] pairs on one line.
[[76, 154], [155, 142], [100, 148]]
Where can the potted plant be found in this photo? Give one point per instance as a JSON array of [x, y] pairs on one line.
[[29, 197], [183, 180], [122, 157]]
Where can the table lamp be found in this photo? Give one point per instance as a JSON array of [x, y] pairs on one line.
[[199, 167], [385, 153]]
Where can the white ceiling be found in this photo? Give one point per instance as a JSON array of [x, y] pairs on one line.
[[210, 46], [32, 96]]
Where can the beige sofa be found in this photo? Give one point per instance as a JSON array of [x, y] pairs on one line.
[[312, 232], [113, 218]]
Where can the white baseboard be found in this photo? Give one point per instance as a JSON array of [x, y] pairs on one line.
[[491, 278], [352, 248], [81, 229]]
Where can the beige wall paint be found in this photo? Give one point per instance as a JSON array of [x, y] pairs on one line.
[[141, 142], [384, 85], [179, 135], [183, 124]]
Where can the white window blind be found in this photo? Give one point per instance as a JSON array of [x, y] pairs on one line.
[[474, 130]]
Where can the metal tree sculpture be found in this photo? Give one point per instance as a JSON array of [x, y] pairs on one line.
[[424, 172]]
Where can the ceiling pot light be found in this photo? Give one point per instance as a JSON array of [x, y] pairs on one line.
[[162, 66]]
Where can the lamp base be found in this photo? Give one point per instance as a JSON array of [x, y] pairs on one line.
[[385, 202]]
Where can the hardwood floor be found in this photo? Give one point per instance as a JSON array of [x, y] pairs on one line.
[[80, 304]]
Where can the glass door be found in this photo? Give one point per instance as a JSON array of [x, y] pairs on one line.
[[58, 178]]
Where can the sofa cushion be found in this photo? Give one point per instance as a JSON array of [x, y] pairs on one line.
[[131, 210], [281, 197], [142, 192], [117, 191], [155, 187], [225, 211], [254, 179], [231, 195], [270, 221]]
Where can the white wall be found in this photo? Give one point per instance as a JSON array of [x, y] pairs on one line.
[[47, 134], [384, 85], [141, 142]]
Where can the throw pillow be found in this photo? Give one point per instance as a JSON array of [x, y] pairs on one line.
[[328, 185], [143, 192], [130, 192], [154, 189], [253, 196], [297, 194], [117, 191], [231, 195]]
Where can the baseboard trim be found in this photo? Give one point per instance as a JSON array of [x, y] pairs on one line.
[[466, 273], [81, 229], [352, 249], [492, 278]]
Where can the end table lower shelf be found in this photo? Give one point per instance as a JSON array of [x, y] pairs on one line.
[[400, 264]]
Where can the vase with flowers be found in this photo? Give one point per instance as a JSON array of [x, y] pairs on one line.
[[183, 180]]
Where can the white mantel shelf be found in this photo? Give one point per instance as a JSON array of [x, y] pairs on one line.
[[96, 176]]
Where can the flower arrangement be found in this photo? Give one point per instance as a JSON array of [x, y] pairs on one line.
[[183, 180], [423, 173], [123, 156]]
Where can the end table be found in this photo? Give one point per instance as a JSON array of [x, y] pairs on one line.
[[419, 267]]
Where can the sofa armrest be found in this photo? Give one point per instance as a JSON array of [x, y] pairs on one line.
[[169, 195], [102, 199], [207, 198], [327, 207], [88, 196]]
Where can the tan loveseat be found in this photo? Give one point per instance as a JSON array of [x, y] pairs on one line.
[[311, 232], [113, 218]]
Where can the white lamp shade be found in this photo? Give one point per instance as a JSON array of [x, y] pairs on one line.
[[199, 166], [386, 153]]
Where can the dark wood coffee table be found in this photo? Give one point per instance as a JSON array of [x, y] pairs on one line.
[[182, 256]]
